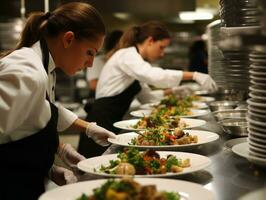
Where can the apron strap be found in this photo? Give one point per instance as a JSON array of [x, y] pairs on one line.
[[45, 58]]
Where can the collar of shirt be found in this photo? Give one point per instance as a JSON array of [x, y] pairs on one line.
[[51, 72], [37, 48]]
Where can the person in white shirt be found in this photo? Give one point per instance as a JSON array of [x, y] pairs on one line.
[[67, 38], [93, 73], [128, 70]]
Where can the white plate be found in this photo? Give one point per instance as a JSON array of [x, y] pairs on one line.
[[255, 122], [251, 94], [253, 103], [253, 72], [258, 195], [203, 138], [206, 99], [251, 88], [257, 133], [199, 104], [140, 113], [148, 106], [197, 162], [201, 92], [256, 109], [257, 147], [127, 124], [257, 128], [242, 150], [195, 113], [187, 190]]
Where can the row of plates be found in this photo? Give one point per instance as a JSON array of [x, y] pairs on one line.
[[187, 190]]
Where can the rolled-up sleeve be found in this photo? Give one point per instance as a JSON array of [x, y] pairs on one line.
[[139, 69], [65, 118]]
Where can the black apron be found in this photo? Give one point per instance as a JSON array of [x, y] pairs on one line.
[[25, 163], [105, 111]]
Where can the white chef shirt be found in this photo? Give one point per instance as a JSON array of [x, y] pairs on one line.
[[95, 71], [23, 87], [127, 65]]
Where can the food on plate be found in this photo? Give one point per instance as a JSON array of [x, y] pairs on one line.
[[154, 121], [128, 189], [161, 136], [174, 106], [133, 162]]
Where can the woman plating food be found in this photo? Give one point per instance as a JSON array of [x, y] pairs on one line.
[[67, 38], [127, 72]]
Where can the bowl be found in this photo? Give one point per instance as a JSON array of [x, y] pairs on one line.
[[222, 105], [229, 114], [235, 127]]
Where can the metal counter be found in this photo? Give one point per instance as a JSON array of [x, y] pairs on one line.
[[229, 176]]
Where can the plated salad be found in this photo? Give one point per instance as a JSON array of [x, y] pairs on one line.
[[133, 162], [128, 189], [161, 136], [155, 121]]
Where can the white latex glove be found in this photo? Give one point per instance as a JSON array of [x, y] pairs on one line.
[[182, 91], [99, 134], [205, 81], [62, 176], [69, 155]]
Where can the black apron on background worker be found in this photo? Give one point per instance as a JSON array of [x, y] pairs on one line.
[[25, 163], [105, 111]]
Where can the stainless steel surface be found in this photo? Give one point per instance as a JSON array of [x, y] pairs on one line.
[[222, 105], [229, 114], [236, 127], [230, 143], [229, 176]]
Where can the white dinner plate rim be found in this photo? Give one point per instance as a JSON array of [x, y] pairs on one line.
[[242, 150], [72, 191], [197, 113], [215, 136], [131, 122], [83, 166]]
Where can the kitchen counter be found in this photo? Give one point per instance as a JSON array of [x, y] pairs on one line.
[[229, 176]]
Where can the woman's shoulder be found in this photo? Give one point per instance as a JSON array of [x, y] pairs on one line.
[[25, 58], [24, 62]]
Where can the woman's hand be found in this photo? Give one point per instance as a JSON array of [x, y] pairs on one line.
[[62, 176], [99, 134], [205, 81], [69, 155]]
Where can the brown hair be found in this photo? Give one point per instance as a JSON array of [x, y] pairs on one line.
[[81, 18], [137, 34]]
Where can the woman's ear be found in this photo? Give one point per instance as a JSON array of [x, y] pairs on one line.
[[150, 40], [68, 38]]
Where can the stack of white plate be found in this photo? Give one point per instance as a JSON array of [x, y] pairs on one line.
[[239, 13], [237, 69], [257, 105], [216, 62]]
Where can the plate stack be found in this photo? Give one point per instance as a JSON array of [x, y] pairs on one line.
[[236, 13], [237, 69], [215, 56], [257, 104], [238, 17]]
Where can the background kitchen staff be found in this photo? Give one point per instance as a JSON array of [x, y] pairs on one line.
[[126, 72], [68, 38]]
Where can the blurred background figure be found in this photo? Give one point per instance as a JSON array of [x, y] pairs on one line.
[[93, 73], [198, 57]]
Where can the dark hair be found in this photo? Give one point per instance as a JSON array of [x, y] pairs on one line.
[[81, 18], [112, 39], [137, 34]]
